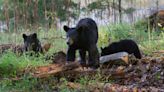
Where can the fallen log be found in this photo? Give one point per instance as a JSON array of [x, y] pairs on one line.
[[113, 57], [59, 68], [113, 73], [74, 67]]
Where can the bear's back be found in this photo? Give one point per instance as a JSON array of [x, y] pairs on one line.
[[87, 23], [126, 45], [123, 45], [88, 32], [129, 46]]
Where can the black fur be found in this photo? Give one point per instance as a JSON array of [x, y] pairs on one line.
[[124, 45], [84, 38], [31, 43]]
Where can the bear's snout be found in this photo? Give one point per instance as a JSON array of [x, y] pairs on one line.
[[69, 41]]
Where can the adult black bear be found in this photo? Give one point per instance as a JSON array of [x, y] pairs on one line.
[[84, 38], [123, 45], [31, 43]]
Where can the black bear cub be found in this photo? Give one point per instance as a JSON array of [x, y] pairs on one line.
[[31, 43], [84, 38], [126, 45]]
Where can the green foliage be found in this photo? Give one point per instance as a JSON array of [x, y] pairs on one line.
[[104, 36], [115, 32], [147, 41], [46, 12], [141, 25], [26, 84], [99, 6], [96, 5], [154, 43], [120, 31], [10, 64], [63, 9]]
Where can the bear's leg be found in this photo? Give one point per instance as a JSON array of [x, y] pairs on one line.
[[93, 57], [82, 57], [137, 54], [70, 55]]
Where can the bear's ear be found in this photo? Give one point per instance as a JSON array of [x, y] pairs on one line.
[[34, 35], [24, 36], [66, 28]]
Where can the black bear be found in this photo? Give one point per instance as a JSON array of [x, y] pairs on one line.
[[84, 38], [126, 45], [31, 43]]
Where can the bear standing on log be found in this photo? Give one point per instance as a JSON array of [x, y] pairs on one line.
[[84, 38]]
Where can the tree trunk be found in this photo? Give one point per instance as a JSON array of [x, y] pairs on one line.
[[45, 15], [26, 14], [67, 9], [16, 15], [54, 16], [120, 11], [6, 13], [35, 12], [114, 12], [132, 19], [156, 17], [108, 6], [86, 3]]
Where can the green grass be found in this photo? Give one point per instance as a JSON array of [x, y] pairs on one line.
[[24, 85], [147, 41], [11, 64]]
